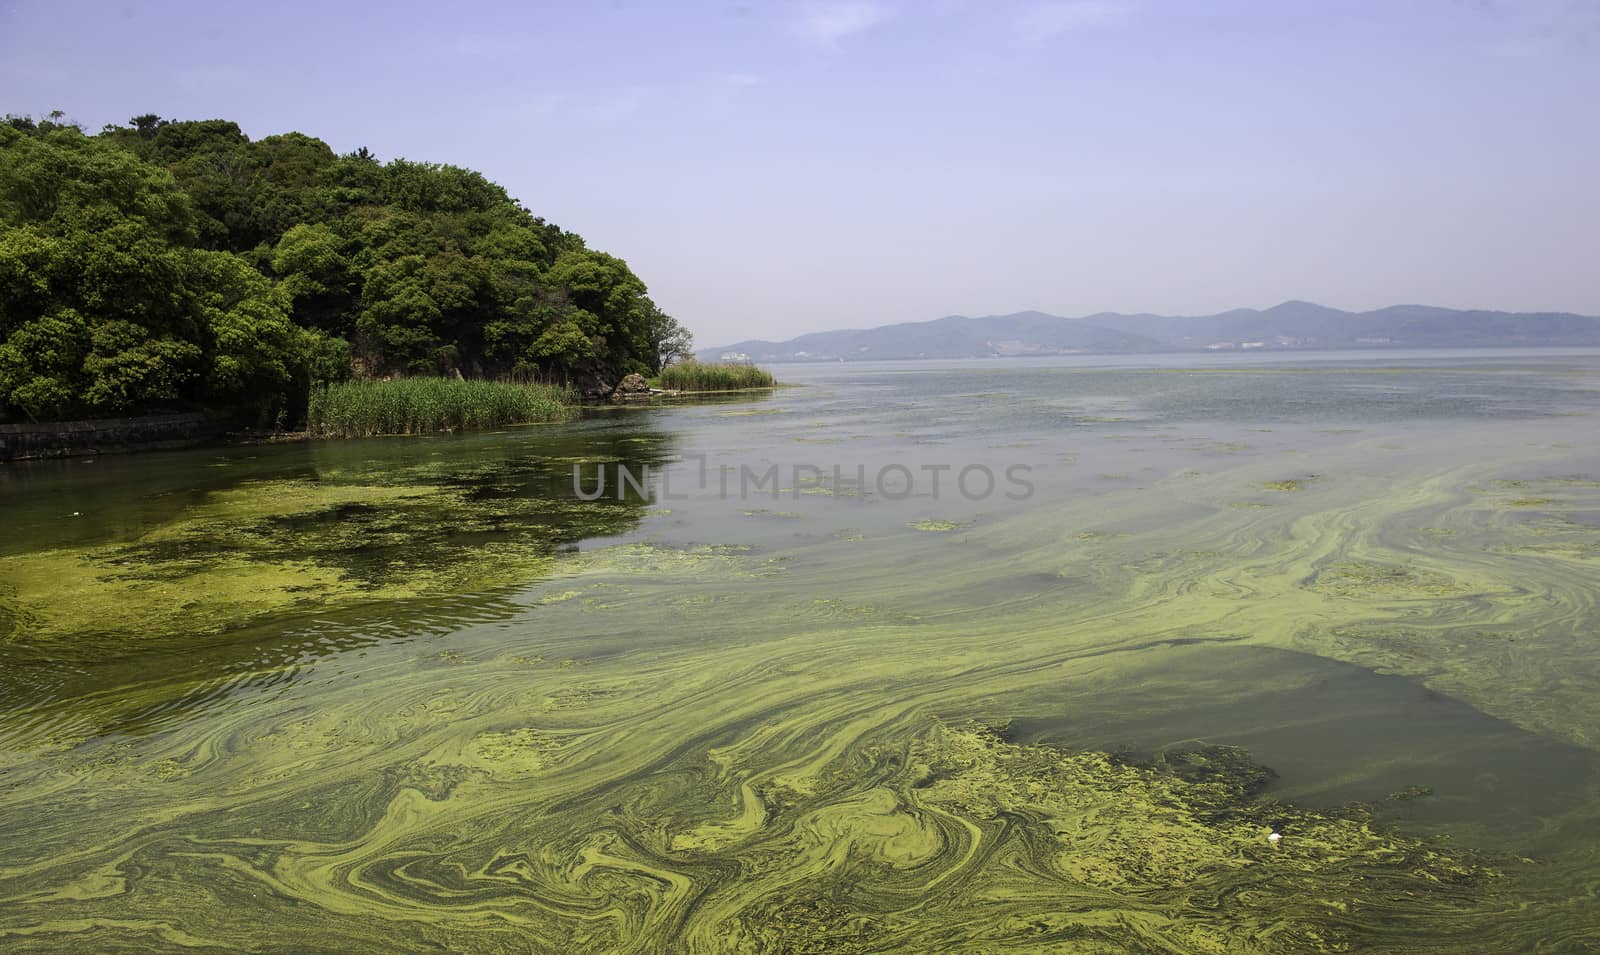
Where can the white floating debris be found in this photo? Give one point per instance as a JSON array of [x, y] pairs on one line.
[[1274, 837]]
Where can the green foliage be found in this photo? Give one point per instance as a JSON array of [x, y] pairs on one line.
[[329, 359], [670, 342], [419, 405], [106, 306], [694, 376], [67, 183], [41, 362], [180, 264], [258, 353], [315, 271]]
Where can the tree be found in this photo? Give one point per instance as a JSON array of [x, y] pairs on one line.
[[130, 369], [169, 264], [256, 355], [64, 182], [613, 309], [106, 307], [319, 278], [672, 341], [41, 364], [147, 125]]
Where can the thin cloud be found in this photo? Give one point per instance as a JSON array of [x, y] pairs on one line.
[[1046, 21], [828, 24]]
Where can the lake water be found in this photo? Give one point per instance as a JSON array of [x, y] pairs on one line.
[[969, 656]]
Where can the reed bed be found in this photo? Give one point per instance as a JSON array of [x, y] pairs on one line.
[[697, 376], [358, 409]]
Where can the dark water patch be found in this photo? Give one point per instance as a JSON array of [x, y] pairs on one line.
[[1334, 733]]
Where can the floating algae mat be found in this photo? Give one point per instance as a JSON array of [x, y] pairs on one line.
[[419, 695]]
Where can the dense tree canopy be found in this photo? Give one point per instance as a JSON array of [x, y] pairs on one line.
[[166, 265]]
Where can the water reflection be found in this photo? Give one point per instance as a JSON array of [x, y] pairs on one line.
[[338, 520]]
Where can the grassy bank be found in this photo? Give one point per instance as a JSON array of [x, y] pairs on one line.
[[696, 376], [355, 409]]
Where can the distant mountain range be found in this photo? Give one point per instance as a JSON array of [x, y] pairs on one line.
[[1292, 325]]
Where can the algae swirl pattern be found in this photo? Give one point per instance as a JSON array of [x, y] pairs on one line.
[[770, 740]]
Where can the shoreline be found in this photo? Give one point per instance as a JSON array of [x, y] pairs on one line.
[[57, 440]]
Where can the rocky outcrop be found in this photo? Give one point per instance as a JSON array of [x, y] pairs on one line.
[[592, 379], [633, 385]]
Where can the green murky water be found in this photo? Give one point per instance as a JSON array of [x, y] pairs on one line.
[[419, 695]]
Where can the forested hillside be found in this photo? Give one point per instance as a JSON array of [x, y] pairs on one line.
[[180, 265]]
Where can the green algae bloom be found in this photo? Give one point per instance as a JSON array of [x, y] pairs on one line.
[[416, 695]]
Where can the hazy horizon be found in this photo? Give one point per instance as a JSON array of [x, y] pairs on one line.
[[776, 170], [1091, 316]]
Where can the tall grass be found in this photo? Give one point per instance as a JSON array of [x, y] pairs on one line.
[[356, 409], [695, 376]]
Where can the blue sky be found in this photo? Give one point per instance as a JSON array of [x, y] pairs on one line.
[[775, 168]]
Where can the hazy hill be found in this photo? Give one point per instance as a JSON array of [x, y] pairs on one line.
[[952, 337], [1292, 325]]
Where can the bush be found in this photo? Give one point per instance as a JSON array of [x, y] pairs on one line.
[[694, 376], [355, 409]]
